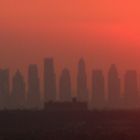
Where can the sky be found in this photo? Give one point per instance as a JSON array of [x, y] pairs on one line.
[[101, 31]]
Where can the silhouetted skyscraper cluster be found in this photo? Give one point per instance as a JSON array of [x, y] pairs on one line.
[[104, 94]]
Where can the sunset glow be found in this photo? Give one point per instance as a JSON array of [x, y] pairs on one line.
[[105, 31]]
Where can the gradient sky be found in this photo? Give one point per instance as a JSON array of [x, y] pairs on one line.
[[101, 31]]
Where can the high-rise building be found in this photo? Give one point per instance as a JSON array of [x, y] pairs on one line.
[[131, 96], [49, 80], [98, 90], [114, 96], [33, 96], [82, 89], [65, 91], [4, 89], [18, 91]]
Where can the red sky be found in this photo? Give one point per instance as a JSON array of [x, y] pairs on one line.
[[102, 31]]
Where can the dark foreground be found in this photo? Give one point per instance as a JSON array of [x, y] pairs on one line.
[[42, 125]]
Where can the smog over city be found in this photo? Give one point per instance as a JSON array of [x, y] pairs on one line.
[[69, 70]]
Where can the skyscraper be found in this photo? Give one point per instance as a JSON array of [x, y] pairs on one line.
[[65, 91], [82, 89], [114, 96], [49, 80], [98, 90], [4, 89], [131, 96], [33, 96], [18, 91]]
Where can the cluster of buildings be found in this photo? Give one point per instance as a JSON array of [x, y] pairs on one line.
[[17, 97]]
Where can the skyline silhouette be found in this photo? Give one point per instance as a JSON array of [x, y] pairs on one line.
[[69, 70], [105, 93]]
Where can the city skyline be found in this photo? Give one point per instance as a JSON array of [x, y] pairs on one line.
[[69, 70], [109, 92]]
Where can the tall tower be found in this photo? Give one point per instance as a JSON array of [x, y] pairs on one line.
[[82, 90], [33, 97], [114, 97], [18, 91], [4, 89], [49, 80], [98, 90], [65, 90], [131, 96]]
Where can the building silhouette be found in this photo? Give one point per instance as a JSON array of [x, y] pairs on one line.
[[18, 91], [114, 96], [17, 99], [82, 89], [49, 80], [65, 91], [131, 96], [73, 106], [98, 90], [33, 96], [4, 89]]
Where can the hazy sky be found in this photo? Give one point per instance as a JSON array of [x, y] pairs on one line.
[[102, 31]]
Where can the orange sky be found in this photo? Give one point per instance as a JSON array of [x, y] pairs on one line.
[[103, 31], [70, 10]]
